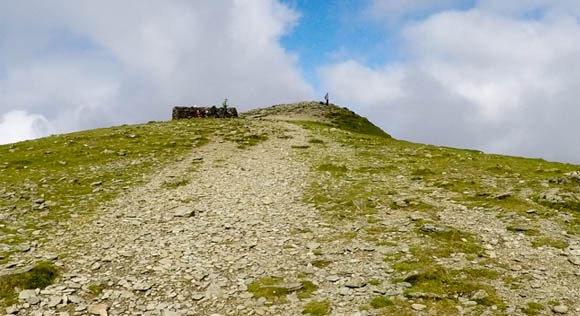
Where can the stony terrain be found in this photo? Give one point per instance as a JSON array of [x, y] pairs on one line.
[[319, 220]]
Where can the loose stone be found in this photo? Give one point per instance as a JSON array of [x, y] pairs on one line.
[[560, 309], [356, 282], [418, 307], [98, 309]]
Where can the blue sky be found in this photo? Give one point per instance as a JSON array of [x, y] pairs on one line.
[[330, 31], [494, 75], [334, 31]]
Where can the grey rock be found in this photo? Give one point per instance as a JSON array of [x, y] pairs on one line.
[[312, 245], [54, 301], [142, 286], [294, 286], [98, 309], [23, 295], [428, 228], [33, 300], [75, 299], [356, 282], [502, 196], [574, 260], [418, 307], [197, 296], [51, 256], [81, 307], [344, 291], [183, 211], [560, 309], [24, 247], [479, 295], [12, 310]]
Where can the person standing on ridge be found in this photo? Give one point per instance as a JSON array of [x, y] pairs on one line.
[[326, 98], [225, 107]]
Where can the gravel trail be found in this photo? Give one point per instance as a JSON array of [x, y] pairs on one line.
[[191, 240]]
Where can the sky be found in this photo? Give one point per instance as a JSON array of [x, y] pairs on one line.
[[493, 75]]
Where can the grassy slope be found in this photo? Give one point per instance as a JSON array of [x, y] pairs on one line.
[[43, 182], [374, 173], [330, 115]]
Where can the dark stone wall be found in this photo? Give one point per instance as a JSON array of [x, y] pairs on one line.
[[188, 112]]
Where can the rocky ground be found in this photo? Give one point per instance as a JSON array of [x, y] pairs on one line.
[[227, 231]]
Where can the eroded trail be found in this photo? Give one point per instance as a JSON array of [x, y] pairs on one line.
[[192, 239], [226, 231]]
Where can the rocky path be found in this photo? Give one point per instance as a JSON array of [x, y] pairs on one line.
[[191, 241], [226, 231]]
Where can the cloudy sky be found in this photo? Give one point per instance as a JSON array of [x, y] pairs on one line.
[[495, 75]]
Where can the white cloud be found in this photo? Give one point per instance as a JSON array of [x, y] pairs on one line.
[[97, 63], [478, 79], [532, 8], [394, 10], [16, 126]]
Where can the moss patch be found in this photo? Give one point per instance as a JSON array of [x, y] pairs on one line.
[[317, 308], [547, 241], [380, 302], [40, 276], [532, 308]]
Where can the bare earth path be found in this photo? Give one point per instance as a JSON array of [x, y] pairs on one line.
[[207, 231], [192, 249]]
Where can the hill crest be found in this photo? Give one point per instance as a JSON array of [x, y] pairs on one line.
[[332, 115], [286, 212]]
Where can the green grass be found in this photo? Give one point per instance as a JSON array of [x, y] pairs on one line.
[[317, 308], [349, 121], [95, 289], [175, 183], [44, 181], [315, 141], [380, 302], [426, 276], [272, 289], [324, 117], [375, 282], [451, 240], [525, 229], [450, 284], [40, 276], [332, 169], [547, 241], [321, 263], [532, 308], [307, 288], [268, 289]]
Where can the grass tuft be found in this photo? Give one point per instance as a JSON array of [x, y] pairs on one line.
[[380, 302], [532, 308], [40, 276], [317, 308], [547, 241]]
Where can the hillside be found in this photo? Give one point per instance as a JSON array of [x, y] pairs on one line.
[[289, 210]]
